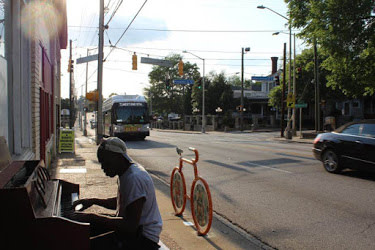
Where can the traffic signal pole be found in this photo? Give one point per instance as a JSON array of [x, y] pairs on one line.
[[283, 93], [99, 114], [242, 102], [71, 105], [85, 106]]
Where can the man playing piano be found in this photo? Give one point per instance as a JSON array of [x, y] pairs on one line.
[[137, 224]]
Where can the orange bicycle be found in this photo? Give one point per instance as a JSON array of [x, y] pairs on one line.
[[200, 195]]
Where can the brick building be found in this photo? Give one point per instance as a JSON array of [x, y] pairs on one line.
[[32, 33]]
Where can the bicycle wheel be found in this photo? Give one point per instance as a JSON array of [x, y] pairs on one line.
[[178, 191], [201, 205]]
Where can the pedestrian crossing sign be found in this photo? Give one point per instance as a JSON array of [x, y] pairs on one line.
[[290, 100]]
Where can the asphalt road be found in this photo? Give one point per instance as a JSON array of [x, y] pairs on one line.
[[274, 190]]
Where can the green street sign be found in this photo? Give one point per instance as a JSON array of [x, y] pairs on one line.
[[301, 105]]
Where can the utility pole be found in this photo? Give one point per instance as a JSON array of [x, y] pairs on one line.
[[282, 93], [99, 114], [71, 104], [294, 87], [288, 128], [316, 88], [85, 105], [203, 99], [242, 83], [242, 102]]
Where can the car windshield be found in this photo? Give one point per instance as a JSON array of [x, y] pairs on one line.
[[131, 115]]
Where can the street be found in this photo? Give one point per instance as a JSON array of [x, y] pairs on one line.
[[274, 190]]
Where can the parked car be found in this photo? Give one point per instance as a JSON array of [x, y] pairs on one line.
[[350, 146]]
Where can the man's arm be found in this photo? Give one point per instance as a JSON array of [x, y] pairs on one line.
[[110, 203], [128, 225]]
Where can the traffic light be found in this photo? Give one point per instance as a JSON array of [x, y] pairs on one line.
[[168, 84], [71, 65], [277, 80], [134, 62], [199, 83], [180, 68]]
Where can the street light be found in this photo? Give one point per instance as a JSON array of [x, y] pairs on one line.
[[294, 78], [290, 58], [203, 94], [244, 50]]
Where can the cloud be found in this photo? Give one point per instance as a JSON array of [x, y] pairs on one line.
[[135, 34]]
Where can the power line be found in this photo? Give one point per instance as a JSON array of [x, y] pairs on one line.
[[114, 11], [190, 30], [127, 28], [204, 51]]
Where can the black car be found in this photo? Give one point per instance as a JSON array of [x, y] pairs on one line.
[[350, 146]]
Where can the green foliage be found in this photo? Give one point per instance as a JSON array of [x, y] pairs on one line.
[[176, 98], [345, 32], [235, 80], [65, 103], [218, 94], [275, 97]]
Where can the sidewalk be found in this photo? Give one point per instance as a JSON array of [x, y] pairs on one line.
[[83, 168]]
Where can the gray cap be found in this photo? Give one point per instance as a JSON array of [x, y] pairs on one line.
[[116, 145]]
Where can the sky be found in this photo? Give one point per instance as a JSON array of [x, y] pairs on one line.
[[215, 30]]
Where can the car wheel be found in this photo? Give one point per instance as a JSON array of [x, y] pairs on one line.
[[331, 162]]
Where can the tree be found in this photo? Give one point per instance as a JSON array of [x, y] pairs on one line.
[[65, 103], [345, 32], [175, 98], [218, 94], [275, 97], [305, 81], [235, 80]]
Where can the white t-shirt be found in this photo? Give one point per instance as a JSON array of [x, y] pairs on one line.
[[134, 184]]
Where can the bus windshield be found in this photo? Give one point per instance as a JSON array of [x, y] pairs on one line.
[[131, 115]]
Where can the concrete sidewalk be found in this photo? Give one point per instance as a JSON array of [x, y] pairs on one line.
[[83, 168]]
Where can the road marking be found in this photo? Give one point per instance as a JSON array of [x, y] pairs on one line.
[[259, 147], [73, 171], [262, 166]]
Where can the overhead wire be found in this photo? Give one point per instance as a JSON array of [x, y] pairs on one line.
[[192, 30], [114, 11], [126, 29]]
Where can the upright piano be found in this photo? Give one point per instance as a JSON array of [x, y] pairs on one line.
[[32, 209]]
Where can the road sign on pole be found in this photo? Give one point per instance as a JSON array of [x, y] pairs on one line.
[[290, 100], [262, 78], [301, 105], [183, 81], [87, 59], [164, 63]]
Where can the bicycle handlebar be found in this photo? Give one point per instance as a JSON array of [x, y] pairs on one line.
[[196, 154]]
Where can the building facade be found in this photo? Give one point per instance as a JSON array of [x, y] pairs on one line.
[[32, 34]]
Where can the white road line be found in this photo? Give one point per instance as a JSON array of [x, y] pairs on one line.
[[276, 169]]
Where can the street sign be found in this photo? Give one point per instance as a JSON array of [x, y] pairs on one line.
[[301, 105], [164, 63], [262, 78], [66, 143], [87, 59], [183, 81]]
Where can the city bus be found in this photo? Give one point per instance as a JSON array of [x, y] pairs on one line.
[[126, 116]]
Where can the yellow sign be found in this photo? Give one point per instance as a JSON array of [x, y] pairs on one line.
[[132, 128], [290, 100], [66, 143]]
